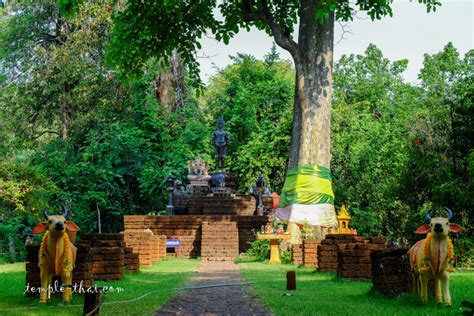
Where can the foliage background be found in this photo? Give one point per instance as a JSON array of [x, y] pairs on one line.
[[73, 133]]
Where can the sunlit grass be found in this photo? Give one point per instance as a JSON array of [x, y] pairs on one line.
[[324, 294], [158, 280]]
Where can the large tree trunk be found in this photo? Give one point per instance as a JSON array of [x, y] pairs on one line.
[[310, 142], [64, 120], [171, 86], [65, 111], [12, 248]]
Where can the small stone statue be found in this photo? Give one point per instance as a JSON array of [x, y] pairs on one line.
[[220, 140], [198, 167]]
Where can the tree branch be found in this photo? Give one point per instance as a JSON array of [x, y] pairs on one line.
[[345, 30], [42, 133], [264, 15]]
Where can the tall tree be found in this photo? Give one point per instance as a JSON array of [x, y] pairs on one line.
[[154, 28], [54, 67]]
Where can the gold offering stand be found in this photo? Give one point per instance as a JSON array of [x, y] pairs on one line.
[[274, 251]]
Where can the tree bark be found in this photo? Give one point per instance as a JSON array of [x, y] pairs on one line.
[[65, 111], [311, 131], [64, 132], [12, 248], [171, 85]]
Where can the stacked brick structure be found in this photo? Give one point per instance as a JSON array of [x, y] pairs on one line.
[[107, 252], [328, 251], [148, 248], [188, 229], [348, 255], [82, 271], [180, 203], [248, 226], [391, 271], [355, 260], [131, 261], [134, 242], [310, 256], [185, 228], [297, 254], [243, 205], [220, 241], [196, 204]]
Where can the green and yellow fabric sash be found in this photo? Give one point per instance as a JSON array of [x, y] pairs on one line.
[[307, 184]]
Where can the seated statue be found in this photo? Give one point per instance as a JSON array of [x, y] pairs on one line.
[[198, 167]]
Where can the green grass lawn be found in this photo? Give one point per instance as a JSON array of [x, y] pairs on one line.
[[324, 294], [159, 280]]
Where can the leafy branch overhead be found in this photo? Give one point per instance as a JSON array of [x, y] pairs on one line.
[[145, 29]]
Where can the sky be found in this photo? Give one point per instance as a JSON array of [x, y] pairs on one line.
[[410, 33]]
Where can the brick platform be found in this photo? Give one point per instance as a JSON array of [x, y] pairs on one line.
[[328, 251], [355, 260], [131, 261], [297, 254], [348, 255], [219, 241], [180, 203], [148, 248], [107, 252], [188, 229], [196, 204], [242, 205], [391, 271], [82, 271], [310, 256]]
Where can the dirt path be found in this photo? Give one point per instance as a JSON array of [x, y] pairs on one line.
[[225, 300]]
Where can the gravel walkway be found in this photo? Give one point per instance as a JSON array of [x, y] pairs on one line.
[[225, 300]]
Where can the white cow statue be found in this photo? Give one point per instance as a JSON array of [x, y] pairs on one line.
[[432, 257]]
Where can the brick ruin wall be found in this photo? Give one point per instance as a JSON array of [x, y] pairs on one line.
[[349, 256], [391, 271], [297, 254], [241, 205], [310, 248], [188, 229], [220, 241], [131, 260], [146, 248], [108, 255]]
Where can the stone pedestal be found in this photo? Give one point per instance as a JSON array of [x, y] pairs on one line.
[[199, 181]]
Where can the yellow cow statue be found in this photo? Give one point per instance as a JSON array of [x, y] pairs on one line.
[[432, 257], [57, 255]]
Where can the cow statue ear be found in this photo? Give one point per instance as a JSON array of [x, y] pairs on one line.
[[455, 228], [424, 229], [40, 228], [72, 227]]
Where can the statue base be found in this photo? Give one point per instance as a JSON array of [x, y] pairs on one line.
[[196, 180]]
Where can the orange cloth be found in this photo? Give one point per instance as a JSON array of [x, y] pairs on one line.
[[276, 199]]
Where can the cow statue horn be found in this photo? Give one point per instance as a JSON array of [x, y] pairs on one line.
[[450, 214], [65, 212], [45, 214], [428, 217]]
